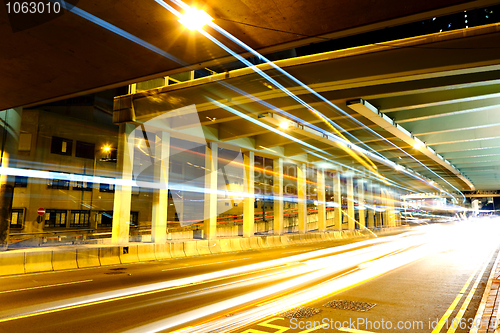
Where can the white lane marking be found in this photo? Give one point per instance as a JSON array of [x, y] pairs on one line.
[[210, 263], [47, 286]]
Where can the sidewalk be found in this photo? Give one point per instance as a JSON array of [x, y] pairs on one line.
[[487, 313]]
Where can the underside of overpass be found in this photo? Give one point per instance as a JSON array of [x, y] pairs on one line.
[[401, 116]]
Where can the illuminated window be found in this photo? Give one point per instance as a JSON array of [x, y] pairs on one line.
[[80, 219], [61, 146], [83, 186], [17, 218], [58, 184], [55, 218]]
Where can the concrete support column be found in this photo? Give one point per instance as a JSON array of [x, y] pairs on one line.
[[361, 203], [390, 204], [370, 220], [385, 205], [210, 206], [160, 196], [278, 196], [337, 199], [397, 207], [249, 201], [377, 202], [350, 202], [302, 196], [10, 128], [321, 200], [123, 193]]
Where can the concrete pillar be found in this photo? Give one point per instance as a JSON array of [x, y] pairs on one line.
[[249, 189], [361, 203], [210, 205], [370, 220], [278, 196], [321, 200], [377, 203], [160, 196], [391, 205], [10, 128], [385, 205], [302, 196], [350, 202], [123, 193], [337, 199]]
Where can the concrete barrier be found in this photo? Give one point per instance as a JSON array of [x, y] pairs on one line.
[[270, 241], [245, 244], [162, 251], [286, 240], [190, 248], [295, 239], [87, 257], [11, 263], [277, 241], [236, 244], [225, 245], [256, 243], [146, 252], [177, 250], [128, 254], [109, 255], [264, 240], [203, 247], [65, 259], [214, 246], [38, 261]]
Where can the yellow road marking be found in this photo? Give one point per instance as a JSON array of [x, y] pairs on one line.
[[455, 302], [281, 329], [456, 322]]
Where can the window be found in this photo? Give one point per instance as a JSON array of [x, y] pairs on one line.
[[80, 219], [134, 219], [20, 181], [61, 146], [25, 142], [105, 218], [82, 186], [55, 218], [58, 184], [85, 150], [106, 187], [17, 218]]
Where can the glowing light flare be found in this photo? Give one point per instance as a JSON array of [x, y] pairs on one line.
[[195, 19], [418, 144], [284, 125], [106, 149]]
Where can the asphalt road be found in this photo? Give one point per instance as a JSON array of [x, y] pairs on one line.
[[412, 277]]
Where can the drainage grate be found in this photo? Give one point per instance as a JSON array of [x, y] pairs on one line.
[[114, 273], [299, 312], [349, 305], [118, 269]]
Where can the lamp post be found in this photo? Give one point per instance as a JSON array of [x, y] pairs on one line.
[[106, 149]]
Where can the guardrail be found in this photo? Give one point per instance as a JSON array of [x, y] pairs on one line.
[[61, 258]]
